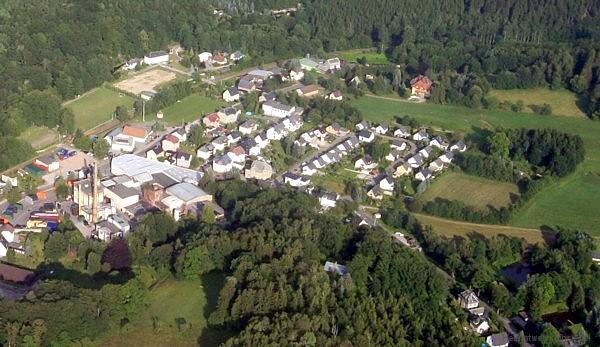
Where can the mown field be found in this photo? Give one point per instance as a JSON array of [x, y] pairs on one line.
[[471, 190], [188, 109], [563, 102], [573, 202], [372, 56], [97, 107], [188, 302], [39, 137]]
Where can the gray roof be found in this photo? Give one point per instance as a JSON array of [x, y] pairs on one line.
[[122, 191], [245, 84], [156, 54], [133, 165], [47, 159], [278, 105], [498, 339], [335, 267], [186, 191], [233, 91], [163, 179], [365, 134]]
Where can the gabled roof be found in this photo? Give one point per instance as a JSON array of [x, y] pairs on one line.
[[156, 54], [365, 134], [134, 131], [233, 91], [278, 105]]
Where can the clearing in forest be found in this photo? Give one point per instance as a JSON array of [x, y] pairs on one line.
[[149, 80], [97, 106], [563, 102]]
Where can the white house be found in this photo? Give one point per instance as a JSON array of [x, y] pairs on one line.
[[276, 109], [439, 142], [366, 136], [468, 300], [205, 152], [233, 137], [415, 161], [382, 128], [365, 163], [219, 143], [402, 170], [375, 193], [170, 143], [248, 127], [393, 155], [295, 180], [222, 164], [237, 56], [363, 125], [296, 74], [423, 175], [229, 115], [309, 169], [447, 157], [276, 132], [426, 152], [154, 153], [232, 94], [205, 57], [480, 325], [131, 64], [402, 131], [497, 340], [183, 159], [459, 146], [436, 165], [158, 57], [328, 200], [180, 133], [399, 145], [262, 140], [387, 185], [237, 154], [47, 163], [421, 135]]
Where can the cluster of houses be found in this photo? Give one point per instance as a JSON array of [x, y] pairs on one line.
[[478, 320], [320, 65], [219, 58]]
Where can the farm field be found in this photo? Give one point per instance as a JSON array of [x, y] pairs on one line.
[[471, 190], [372, 56], [189, 108], [170, 301], [450, 228], [97, 106], [573, 202], [563, 102]]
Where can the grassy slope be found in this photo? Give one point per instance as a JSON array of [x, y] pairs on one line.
[[563, 102], [39, 137], [471, 190], [573, 202], [97, 107], [189, 108], [372, 56]]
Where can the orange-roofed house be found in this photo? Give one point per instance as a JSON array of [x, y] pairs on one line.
[[212, 120], [421, 86], [138, 133], [170, 143]]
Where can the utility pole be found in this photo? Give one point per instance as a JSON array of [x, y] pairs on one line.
[[143, 111], [95, 193]]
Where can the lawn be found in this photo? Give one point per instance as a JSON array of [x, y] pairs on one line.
[[39, 137], [189, 108], [471, 190], [450, 228], [172, 301], [563, 102], [372, 56], [573, 202], [97, 107]]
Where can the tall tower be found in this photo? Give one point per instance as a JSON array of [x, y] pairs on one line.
[[94, 193]]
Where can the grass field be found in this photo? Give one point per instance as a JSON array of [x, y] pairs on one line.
[[573, 202], [471, 190], [171, 300], [563, 102], [450, 228], [189, 108], [372, 56], [97, 107], [39, 137]]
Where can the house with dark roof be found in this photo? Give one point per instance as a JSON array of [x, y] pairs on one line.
[[232, 94], [366, 136]]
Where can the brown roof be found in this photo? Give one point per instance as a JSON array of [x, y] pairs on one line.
[[310, 89], [218, 57], [134, 131], [421, 82], [171, 138], [239, 150], [213, 117], [14, 274]]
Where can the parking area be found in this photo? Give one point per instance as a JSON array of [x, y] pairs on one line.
[[68, 166]]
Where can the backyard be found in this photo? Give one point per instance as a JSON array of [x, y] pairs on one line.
[[97, 107], [572, 202], [563, 102], [189, 108]]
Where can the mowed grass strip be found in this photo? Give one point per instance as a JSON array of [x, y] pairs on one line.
[[450, 228], [573, 202], [371, 55], [471, 190], [97, 107], [189, 108], [563, 102]]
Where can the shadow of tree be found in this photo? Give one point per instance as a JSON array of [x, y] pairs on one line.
[[212, 336], [79, 279]]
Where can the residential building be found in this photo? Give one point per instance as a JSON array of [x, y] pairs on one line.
[[421, 86], [47, 163], [458, 147], [415, 161], [497, 340], [399, 145], [232, 94], [402, 131], [211, 120], [233, 138], [219, 59], [180, 133], [447, 157], [426, 152], [403, 169], [382, 129], [328, 200], [220, 143], [237, 154], [334, 267], [335, 95], [205, 152], [222, 164], [439, 142], [246, 84], [237, 56], [170, 143], [363, 125], [309, 169], [436, 165], [387, 185], [259, 170], [308, 91], [308, 64], [248, 127], [366, 136], [229, 115], [468, 300], [365, 163], [277, 109], [295, 180], [158, 57], [205, 57], [147, 94], [421, 135], [250, 147], [424, 175], [479, 325], [154, 153], [183, 159], [296, 74]]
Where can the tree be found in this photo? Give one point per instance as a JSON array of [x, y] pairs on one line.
[[82, 141], [117, 255], [100, 148], [498, 145], [196, 262], [208, 214], [62, 189], [196, 136], [121, 114], [546, 110], [94, 263], [13, 196], [550, 337], [518, 106], [55, 247]]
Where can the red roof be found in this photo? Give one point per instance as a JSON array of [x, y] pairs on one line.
[[218, 57], [421, 82], [239, 150], [171, 138], [213, 118], [15, 274], [134, 131]]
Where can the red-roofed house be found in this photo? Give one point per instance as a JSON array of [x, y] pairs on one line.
[[219, 59], [170, 143], [237, 154], [212, 120], [140, 134], [421, 86]]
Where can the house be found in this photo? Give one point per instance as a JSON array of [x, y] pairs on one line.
[[232, 94], [479, 325], [329, 65], [260, 75], [477, 311], [328, 200], [205, 152], [121, 143], [366, 136], [219, 59], [154, 153], [237, 56], [219, 143], [295, 180], [132, 64], [296, 74], [138, 134], [402, 170], [158, 57], [147, 94], [407, 241], [398, 145], [458, 147], [237, 154], [382, 129], [222, 164], [363, 125], [365, 163], [269, 96], [336, 268], [402, 131], [421, 135], [421, 86], [309, 169], [308, 64], [246, 84], [250, 147], [276, 109], [308, 91], [415, 161], [375, 193], [121, 196], [233, 137], [229, 115], [295, 122], [259, 170], [47, 163], [335, 95], [355, 82], [211, 120], [262, 140], [467, 299], [181, 134], [447, 157], [205, 57], [336, 129], [248, 127], [436, 165], [426, 152], [170, 143], [424, 175], [439, 142], [497, 340], [387, 185], [183, 159], [596, 257], [276, 132]]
